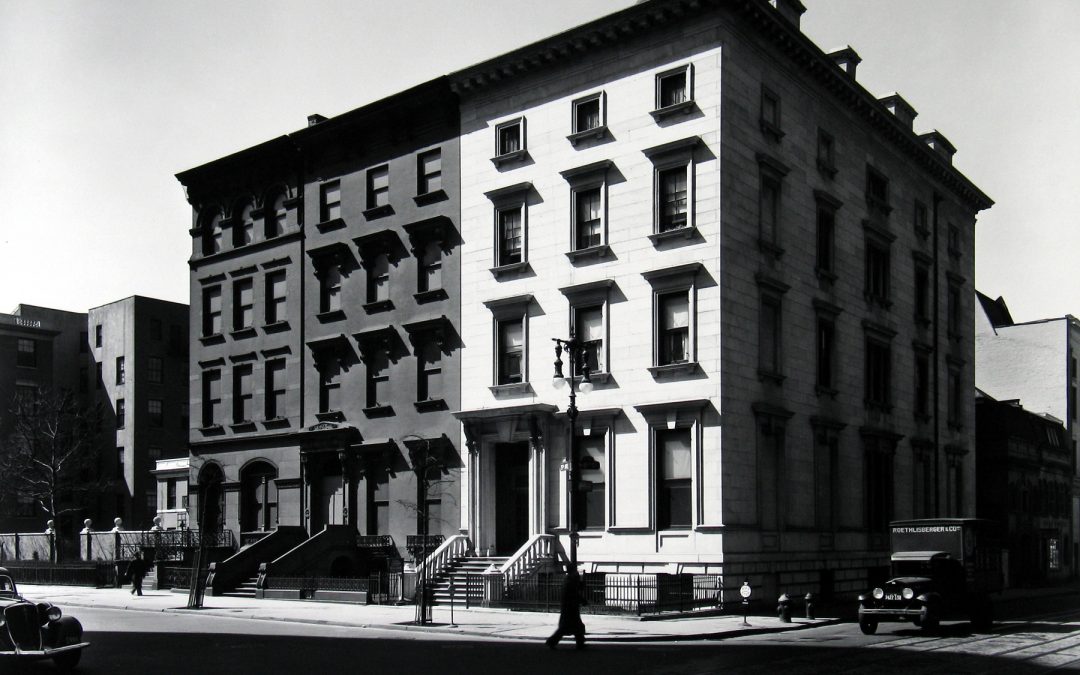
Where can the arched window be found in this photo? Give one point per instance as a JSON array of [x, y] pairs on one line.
[[212, 233], [244, 226], [276, 214]]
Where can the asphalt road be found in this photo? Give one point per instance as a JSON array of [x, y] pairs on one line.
[[1042, 637]]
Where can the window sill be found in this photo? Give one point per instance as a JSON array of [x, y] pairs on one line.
[[877, 205], [215, 338], [825, 275], [242, 426], [276, 327], [430, 197], [673, 370], [330, 225], [769, 248], [596, 133], [826, 391], [378, 306], [430, 296], [775, 378], [330, 416], [668, 111], [507, 390], [212, 430], [332, 315], [376, 212], [276, 422], [601, 251], [883, 303], [681, 232], [241, 333], [430, 405], [513, 269], [771, 130], [509, 158], [827, 169], [379, 410]]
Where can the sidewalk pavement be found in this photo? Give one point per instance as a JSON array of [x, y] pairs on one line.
[[497, 623]]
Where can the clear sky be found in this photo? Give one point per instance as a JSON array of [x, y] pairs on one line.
[[102, 102]]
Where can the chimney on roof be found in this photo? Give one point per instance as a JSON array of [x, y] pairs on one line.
[[938, 143], [791, 10], [900, 108], [847, 58], [314, 119]]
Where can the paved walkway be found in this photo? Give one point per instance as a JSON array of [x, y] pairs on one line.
[[499, 623]]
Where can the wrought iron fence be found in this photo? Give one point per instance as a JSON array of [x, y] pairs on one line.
[[619, 593], [27, 546], [97, 574], [177, 577]]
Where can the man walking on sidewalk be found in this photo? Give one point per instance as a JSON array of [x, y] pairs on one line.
[[137, 570], [570, 612]]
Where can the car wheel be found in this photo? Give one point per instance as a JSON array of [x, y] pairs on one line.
[[930, 623], [868, 627], [916, 621], [68, 660]]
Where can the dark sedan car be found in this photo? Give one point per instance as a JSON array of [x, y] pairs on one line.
[[36, 630]]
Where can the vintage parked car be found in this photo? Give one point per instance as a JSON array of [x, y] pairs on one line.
[[945, 568], [36, 630]]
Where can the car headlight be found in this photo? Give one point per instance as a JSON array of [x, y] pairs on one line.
[[907, 594], [878, 594], [53, 613], [3, 621]]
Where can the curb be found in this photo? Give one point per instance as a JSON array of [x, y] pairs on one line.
[[447, 629]]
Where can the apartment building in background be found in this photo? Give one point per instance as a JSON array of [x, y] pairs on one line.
[[139, 350], [41, 349], [1034, 363]]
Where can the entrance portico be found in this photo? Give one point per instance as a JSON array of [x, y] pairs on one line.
[[505, 487]]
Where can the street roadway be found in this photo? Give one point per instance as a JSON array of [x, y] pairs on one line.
[[1042, 637]]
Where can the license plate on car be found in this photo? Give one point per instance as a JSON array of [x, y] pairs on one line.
[[893, 596]]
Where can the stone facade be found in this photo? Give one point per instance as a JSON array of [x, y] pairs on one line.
[[324, 304], [826, 252]]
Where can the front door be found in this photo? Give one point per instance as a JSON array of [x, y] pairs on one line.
[[332, 500], [511, 496]]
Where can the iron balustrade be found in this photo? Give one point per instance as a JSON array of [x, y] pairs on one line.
[[374, 541], [417, 544]]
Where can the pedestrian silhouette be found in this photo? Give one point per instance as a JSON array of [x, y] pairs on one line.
[[570, 612], [137, 570]]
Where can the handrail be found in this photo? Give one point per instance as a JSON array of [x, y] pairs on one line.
[[457, 546], [539, 548]]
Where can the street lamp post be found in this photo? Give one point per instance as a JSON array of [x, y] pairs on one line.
[[575, 354]]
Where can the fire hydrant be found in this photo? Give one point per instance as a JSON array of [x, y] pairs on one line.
[[809, 605], [783, 608]]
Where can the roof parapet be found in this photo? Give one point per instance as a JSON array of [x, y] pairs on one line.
[[939, 144], [900, 108], [847, 58], [791, 10]]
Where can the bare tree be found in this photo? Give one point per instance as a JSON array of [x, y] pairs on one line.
[[49, 453]]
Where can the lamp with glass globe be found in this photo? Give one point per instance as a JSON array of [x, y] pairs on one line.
[[575, 354]]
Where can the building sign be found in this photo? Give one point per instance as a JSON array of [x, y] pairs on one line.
[[1054, 554], [25, 323]]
